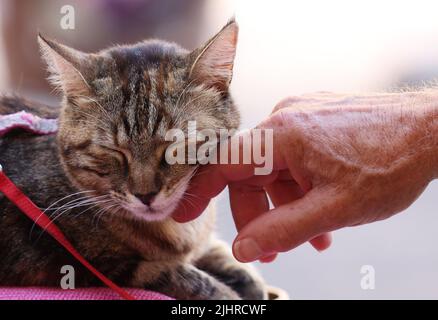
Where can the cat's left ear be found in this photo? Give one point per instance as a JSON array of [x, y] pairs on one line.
[[213, 63], [67, 67]]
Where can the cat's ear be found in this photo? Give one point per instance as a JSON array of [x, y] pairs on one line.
[[213, 63], [66, 67]]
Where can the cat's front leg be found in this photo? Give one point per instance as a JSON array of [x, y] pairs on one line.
[[242, 278], [181, 281]]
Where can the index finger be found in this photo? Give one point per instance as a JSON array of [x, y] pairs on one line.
[[212, 179]]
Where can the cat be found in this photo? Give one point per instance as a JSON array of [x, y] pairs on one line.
[[104, 178]]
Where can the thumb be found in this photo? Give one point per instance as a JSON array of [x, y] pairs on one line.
[[290, 225]]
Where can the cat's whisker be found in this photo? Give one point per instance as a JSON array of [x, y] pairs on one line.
[[72, 205], [184, 207], [103, 210], [184, 91], [107, 210], [80, 204], [202, 95], [68, 196], [54, 203], [87, 209], [192, 202], [76, 201], [182, 112], [100, 124], [192, 196], [79, 120], [98, 104], [104, 124], [85, 121], [65, 211]]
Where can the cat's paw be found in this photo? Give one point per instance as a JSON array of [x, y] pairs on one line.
[[223, 293], [246, 283]]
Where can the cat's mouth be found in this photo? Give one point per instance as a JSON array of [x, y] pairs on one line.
[[163, 204], [152, 212], [162, 207]]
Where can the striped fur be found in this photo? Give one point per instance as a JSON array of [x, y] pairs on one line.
[[117, 106]]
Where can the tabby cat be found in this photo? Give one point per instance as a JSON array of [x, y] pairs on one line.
[[104, 178]]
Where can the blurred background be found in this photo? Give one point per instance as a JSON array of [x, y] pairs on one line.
[[285, 48]]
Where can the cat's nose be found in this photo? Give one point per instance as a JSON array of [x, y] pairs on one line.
[[146, 198]]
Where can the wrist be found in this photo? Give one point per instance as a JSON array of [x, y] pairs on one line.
[[427, 111], [433, 125], [416, 115]]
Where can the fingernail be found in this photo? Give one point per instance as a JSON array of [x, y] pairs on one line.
[[246, 250]]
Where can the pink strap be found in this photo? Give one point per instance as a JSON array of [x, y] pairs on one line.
[[10, 190], [27, 121]]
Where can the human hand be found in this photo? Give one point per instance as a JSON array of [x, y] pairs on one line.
[[338, 161]]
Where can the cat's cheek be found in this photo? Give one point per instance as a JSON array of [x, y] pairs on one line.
[[90, 181], [178, 174]]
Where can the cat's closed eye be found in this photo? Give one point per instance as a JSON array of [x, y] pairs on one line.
[[97, 171], [121, 158]]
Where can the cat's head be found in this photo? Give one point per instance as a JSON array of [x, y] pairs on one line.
[[118, 105]]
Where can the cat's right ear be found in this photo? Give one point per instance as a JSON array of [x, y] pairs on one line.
[[213, 62], [66, 67]]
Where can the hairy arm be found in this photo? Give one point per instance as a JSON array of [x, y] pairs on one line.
[[432, 132]]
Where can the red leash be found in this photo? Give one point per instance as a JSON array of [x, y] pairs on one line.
[[10, 190]]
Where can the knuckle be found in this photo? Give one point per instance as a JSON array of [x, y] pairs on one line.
[[282, 118], [287, 102]]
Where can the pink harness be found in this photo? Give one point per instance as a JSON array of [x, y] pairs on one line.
[[27, 121]]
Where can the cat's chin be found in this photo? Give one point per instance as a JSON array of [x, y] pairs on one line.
[[148, 215], [154, 216]]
